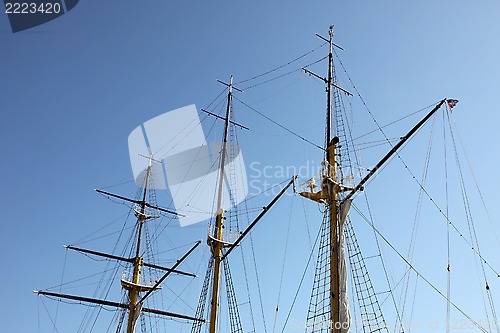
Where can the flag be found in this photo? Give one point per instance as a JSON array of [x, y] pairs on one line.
[[452, 102]]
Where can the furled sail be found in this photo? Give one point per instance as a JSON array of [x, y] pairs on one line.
[[345, 317]]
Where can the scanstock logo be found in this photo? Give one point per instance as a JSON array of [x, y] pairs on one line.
[[186, 164], [27, 14]]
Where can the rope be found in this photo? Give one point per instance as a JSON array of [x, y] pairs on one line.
[[478, 325], [475, 179], [247, 284], [60, 286], [448, 253], [282, 66], [274, 78], [283, 266], [473, 234], [374, 144], [285, 74], [106, 288], [431, 198], [411, 249], [278, 124], [202, 182], [258, 283], [50, 317], [414, 297], [441, 211], [386, 273], [301, 281], [395, 121]]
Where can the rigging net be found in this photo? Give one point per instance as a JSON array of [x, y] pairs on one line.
[[318, 314], [370, 311]]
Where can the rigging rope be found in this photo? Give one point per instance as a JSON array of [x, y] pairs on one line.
[[318, 312], [452, 122], [279, 125], [258, 283], [386, 273], [372, 318], [60, 285], [432, 199], [414, 297], [472, 231], [301, 280], [448, 252], [395, 121], [282, 66], [200, 310], [483, 261], [234, 316], [48, 314], [273, 79], [416, 219], [285, 74], [412, 174], [477, 324], [283, 266], [245, 272], [358, 161]]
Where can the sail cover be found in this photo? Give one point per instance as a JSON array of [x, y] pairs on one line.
[[345, 317]]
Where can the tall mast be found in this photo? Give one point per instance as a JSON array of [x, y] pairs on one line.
[[134, 287], [337, 205], [329, 89], [134, 305], [332, 200], [216, 242], [329, 193]]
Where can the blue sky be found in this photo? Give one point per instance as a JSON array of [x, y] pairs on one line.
[[73, 89]]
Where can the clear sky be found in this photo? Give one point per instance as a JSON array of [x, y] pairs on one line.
[[73, 89]]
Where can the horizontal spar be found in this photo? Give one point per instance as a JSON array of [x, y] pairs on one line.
[[131, 260], [115, 304], [139, 202]]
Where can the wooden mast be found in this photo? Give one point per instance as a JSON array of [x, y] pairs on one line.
[[134, 288], [331, 187], [332, 201], [329, 192], [216, 241]]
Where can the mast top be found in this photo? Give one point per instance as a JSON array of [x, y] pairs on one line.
[[150, 159], [230, 85], [330, 40]]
